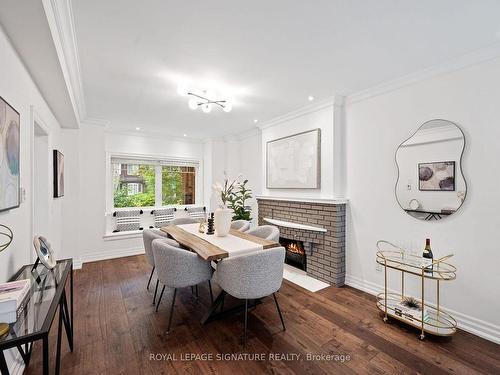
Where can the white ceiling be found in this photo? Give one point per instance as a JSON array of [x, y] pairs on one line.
[[271, 54], [25, 23]]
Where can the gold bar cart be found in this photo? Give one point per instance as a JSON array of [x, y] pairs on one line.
[[439, 322]]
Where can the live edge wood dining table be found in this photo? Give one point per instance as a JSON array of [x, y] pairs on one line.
[[213, 248]]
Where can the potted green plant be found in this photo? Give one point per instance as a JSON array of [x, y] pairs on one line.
[[236, 201]]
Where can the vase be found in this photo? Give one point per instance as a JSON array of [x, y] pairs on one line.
[[222, 221]]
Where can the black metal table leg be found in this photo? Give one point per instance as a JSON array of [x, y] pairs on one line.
[[212, 313], [213, 308], [67, 324], [46, 354], [25, 353], [71, 303], [59, 339], [3, 364]]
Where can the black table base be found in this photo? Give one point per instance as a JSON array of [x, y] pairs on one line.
[[24, 343]]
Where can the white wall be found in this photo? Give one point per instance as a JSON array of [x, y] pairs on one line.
[[244, 155], [375, 127], [322, 119], [19, 90], [92, 146]]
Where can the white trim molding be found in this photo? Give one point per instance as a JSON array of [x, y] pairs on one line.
[[321, 104], [105, 255], [489, 53], [305, 200], [59, 15], [465, 322], [148, 134], [289, 224]]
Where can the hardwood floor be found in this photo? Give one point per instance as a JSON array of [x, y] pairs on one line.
[[117, 331]]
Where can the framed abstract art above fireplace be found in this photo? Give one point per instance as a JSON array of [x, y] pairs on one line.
[[9, 156], [294, 162]]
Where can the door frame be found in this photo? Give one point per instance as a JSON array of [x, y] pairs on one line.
[[36, 121]]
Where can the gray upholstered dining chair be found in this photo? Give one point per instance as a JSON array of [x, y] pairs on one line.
[[252, 276], [241, 225], [177, 268], [184, 220], [268, 232], [148, 236]]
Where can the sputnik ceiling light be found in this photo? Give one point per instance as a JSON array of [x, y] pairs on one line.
[[204, 99]]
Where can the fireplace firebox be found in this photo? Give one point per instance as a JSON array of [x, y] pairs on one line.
[[295, 254]]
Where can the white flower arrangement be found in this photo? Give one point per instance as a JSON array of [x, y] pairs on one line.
[[225, 190]]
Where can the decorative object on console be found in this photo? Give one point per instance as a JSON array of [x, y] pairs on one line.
[[58, 174], [440, 140], [6, 236], [9, 156], [294, 162], [237, 202], [204, 99], [210, 224], [4, 329], [44, 252], [13, 297], [128, 220]]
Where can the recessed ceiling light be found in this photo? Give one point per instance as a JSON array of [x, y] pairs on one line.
[[255, 120], [138, 128], [185, 135], [310, 98]]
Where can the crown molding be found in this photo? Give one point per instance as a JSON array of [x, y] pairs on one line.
[[95, 121], [314, 107], [59, 15], [252, 132], [156, 135], [479, 56]]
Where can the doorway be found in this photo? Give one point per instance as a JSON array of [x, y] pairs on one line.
[[41, 173]]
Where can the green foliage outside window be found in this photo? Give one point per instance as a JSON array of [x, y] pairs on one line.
[[146, 198], [171, 188], [142, 178]]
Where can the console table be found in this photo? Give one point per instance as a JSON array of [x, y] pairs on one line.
[[439, 322], [47, 294]]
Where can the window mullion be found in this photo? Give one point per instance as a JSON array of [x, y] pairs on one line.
[[158, 186]]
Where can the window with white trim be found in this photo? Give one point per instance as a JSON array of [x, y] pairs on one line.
[[153, 183]]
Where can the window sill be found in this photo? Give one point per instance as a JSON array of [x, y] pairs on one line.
[[147, 210], [122, 235]]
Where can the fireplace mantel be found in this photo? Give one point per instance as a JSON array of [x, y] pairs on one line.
[[304, 200], [289, 224]]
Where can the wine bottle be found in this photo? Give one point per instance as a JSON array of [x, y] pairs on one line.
[[427, 255]]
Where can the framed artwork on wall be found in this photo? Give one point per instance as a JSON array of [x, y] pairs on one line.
[[9, 156], [58, 174], [436, 176], [294, 162]]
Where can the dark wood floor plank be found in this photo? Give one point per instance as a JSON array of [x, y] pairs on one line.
[[118, 331]]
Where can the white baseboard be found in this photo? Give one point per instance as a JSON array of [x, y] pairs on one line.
[[104, 255], [465, 322], [77, 264]]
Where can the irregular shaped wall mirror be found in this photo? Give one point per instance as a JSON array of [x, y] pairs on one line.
[[430, 184]]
